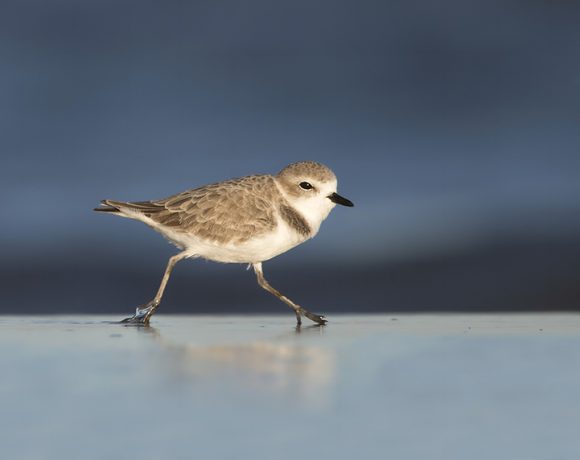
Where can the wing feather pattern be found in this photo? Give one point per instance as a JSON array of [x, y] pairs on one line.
[[233, 211]]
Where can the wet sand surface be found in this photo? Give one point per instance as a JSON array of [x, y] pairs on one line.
[[228, 387]]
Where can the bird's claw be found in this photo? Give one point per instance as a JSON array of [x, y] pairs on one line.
[[142, 315], [321, 320]]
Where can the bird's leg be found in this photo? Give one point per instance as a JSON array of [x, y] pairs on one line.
[[144, 313], [297, 308]]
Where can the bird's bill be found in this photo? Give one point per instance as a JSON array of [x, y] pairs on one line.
[[336, 198]]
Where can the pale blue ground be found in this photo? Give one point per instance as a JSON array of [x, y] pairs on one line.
[[364, 387]]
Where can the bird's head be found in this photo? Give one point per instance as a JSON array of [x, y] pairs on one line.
[[310, 188]]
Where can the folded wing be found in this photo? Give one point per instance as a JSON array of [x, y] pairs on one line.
[[228, 212]]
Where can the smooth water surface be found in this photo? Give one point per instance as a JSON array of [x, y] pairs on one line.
[[202, 387]]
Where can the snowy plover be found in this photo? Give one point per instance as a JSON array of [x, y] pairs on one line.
[[246, 220]]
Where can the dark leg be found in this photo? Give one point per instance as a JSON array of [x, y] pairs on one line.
[[144, 313], [297, 308]]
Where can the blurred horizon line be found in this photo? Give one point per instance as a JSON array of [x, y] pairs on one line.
[[511, 276]]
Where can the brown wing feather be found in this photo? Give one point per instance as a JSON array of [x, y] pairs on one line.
[[231, 211]]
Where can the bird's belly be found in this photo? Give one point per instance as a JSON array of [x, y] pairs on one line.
[[254, 250]]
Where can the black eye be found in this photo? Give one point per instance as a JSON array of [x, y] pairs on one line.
[[306, 185]]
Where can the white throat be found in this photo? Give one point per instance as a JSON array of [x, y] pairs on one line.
[[313, 209]]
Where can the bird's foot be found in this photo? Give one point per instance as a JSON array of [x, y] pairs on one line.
[[142, 315], [321, 320]]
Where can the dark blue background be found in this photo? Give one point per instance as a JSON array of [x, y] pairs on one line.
[[454, 126]]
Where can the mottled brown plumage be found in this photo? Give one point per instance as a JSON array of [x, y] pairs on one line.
[[216, 212]]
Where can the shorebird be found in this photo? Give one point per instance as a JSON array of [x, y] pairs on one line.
[[246, 220]]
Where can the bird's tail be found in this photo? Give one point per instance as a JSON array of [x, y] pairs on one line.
[[111, 206], [132, 209]]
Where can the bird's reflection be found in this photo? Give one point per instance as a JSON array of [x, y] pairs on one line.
[[312, 328], [280, 365]]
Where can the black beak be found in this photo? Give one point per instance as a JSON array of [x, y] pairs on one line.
[[336, 198]]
